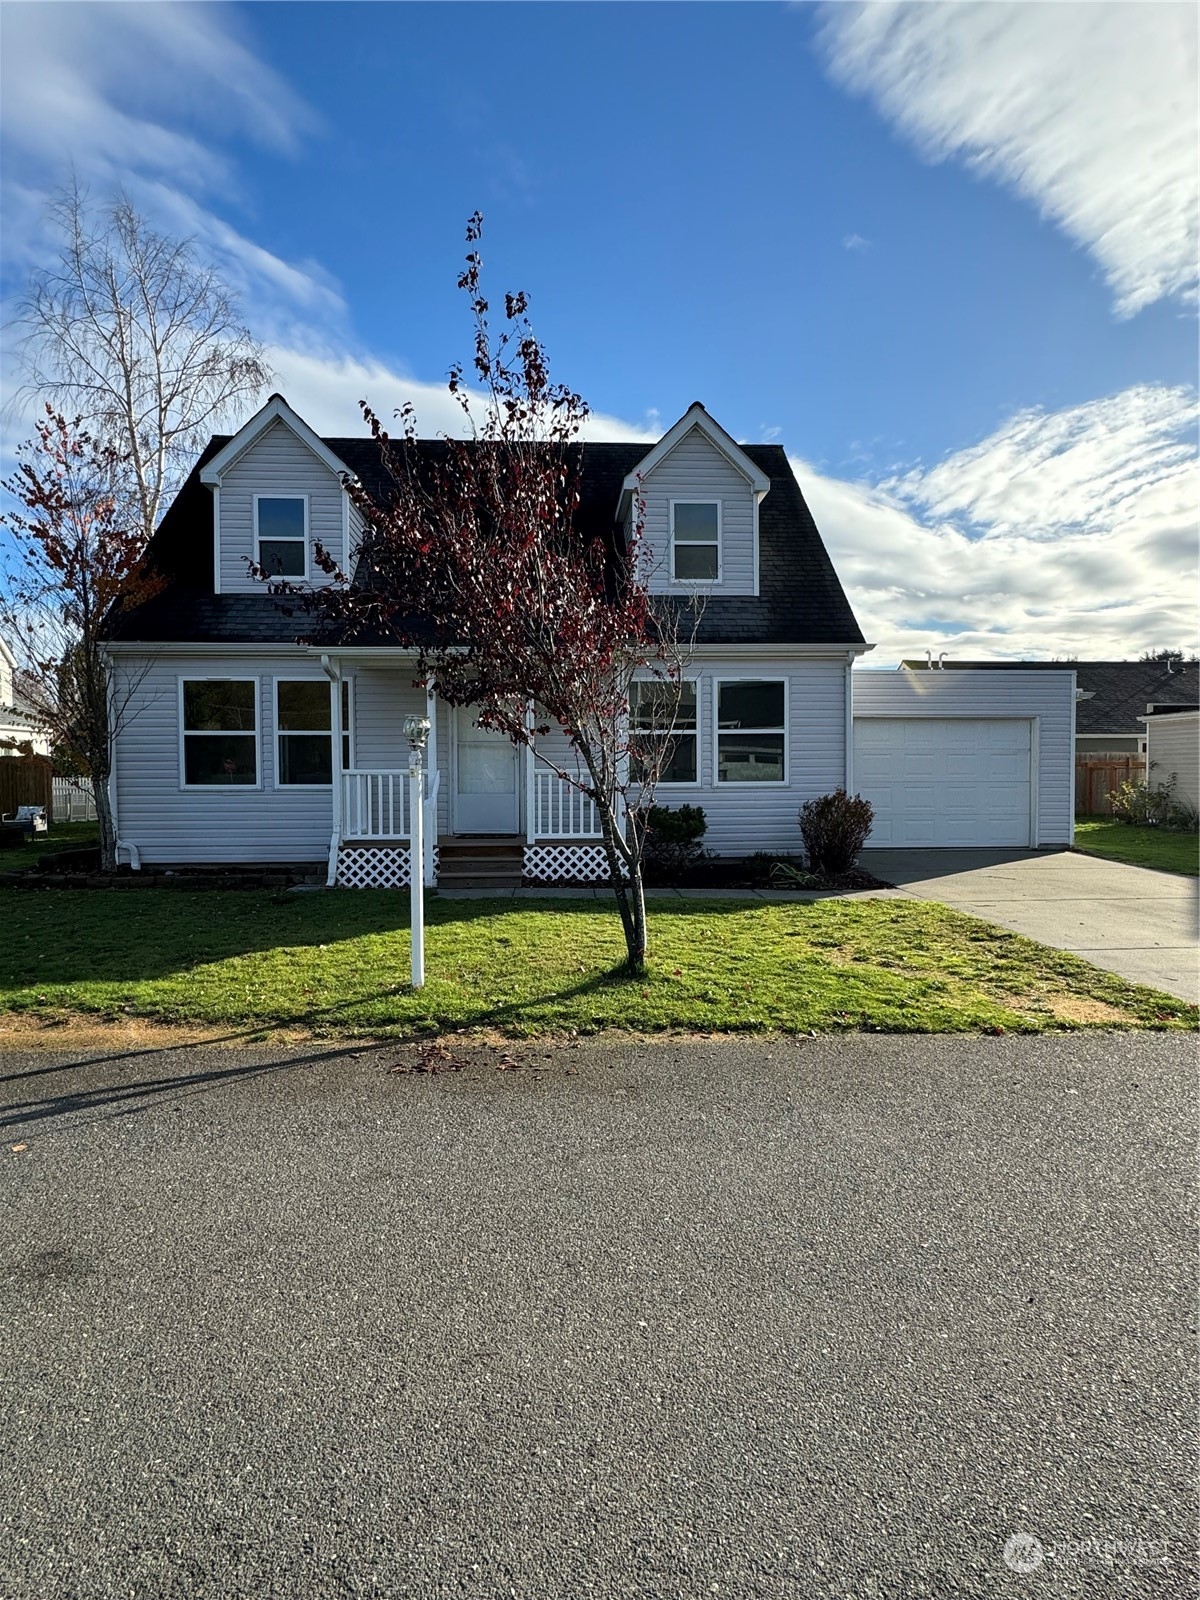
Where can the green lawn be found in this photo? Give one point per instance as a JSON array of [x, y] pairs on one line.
[[59, 836], [337, 962], [1141, 847]]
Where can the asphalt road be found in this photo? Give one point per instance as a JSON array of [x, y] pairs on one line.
[[831, 1317]]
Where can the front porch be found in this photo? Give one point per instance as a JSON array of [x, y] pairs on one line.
[[372, 841], [491, 813]]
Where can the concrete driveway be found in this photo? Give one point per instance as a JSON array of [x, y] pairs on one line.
[[814, 1319], [1137, 923]]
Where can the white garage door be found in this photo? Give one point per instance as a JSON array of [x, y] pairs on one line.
[[945, 782]]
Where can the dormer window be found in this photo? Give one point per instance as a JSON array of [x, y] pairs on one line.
[[696, 541], [281, 534]]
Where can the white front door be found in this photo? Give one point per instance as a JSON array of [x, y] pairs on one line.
[[486, 779]]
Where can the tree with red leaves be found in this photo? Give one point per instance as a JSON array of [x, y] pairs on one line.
[[476, 562], [76, 556]]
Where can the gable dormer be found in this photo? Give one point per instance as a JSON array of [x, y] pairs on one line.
[[277, 493], [700, 496]]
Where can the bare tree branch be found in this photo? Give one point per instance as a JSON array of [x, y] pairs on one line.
[[132, 332]]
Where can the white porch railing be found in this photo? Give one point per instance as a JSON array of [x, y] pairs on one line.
[[375, 805], [560, 811]]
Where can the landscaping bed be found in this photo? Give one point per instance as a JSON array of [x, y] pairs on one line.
[[337, 963], [1160, 848], [762, 871]]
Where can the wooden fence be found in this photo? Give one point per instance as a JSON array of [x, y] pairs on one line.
[[1097, 776], [26, 781]]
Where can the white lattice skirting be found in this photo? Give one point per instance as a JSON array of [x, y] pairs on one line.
[[375, 867], [565, 863]]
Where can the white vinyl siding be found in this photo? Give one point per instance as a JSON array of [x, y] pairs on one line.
[[169, 822], [1173, 750], [695, 470], [745, 817], [278, 465], [1045, 701]]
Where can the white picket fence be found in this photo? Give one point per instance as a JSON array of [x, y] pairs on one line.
[[73, 801]]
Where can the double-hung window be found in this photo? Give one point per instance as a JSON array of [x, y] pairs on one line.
[[663, 731], [696, 541], [304, 731], [752, 731], [281, 534], [220, 731]]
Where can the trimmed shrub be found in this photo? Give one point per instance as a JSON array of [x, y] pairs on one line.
[[834, 829], [673, 839]]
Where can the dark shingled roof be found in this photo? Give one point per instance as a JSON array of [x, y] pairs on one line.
[[1120, 690], [801, 600]]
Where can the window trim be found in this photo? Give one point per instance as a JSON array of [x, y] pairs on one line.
[[200, 733], [698, 781], [279, 733], [297, 577], [754, 783], [697, 544]]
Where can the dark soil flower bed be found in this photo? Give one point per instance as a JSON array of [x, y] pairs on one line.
[[754, 872]]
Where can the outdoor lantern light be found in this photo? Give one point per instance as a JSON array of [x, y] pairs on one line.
[[416, 731]]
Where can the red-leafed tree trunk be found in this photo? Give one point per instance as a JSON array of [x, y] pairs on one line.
[[475, 560], [78, 555]]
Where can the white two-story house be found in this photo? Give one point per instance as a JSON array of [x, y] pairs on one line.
[[245, 745]]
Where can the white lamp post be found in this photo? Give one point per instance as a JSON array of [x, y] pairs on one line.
[[416, 731]]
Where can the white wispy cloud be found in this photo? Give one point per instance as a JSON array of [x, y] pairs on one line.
[[326, 385], [1063, 533], [145, 98], [1089, 111]]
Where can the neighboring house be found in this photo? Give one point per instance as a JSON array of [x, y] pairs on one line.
[[246, 746], [1173, 752], [20, 730], [1113, 695]]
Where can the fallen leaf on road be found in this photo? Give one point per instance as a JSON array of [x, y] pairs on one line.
[[17, 1148]]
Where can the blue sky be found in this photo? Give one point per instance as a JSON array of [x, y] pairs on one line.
[[945, 255]]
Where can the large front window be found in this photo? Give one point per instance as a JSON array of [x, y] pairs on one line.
[[304, 731], [282, 534], [695, 541], [751, 731], [220, 731], [662, 731]]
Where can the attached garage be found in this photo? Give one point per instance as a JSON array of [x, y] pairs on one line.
[[934, 781], [966, 759]]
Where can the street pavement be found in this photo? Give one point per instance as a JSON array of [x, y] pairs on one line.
[[842, 1317]]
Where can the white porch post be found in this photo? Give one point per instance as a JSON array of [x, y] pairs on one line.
[[530, 797], [332, 670]]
